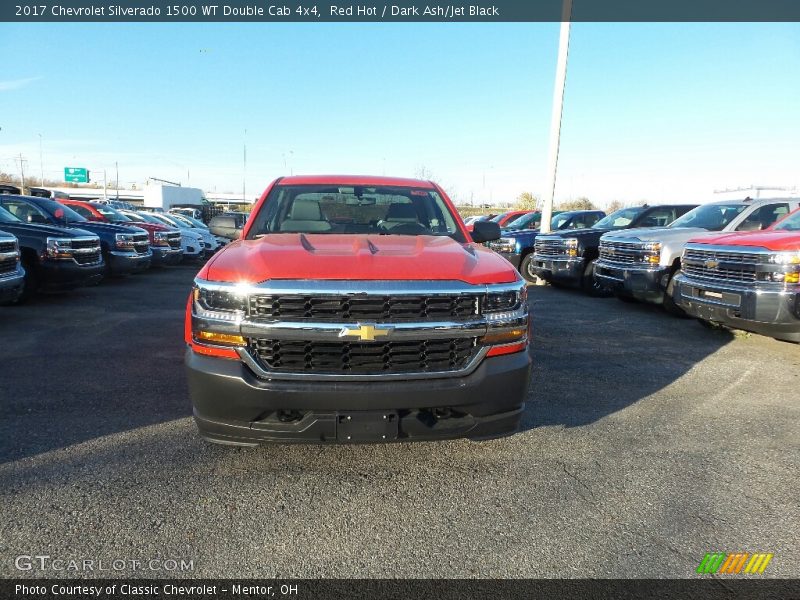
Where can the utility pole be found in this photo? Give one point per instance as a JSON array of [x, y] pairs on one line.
[[41, 162], [555, 122], [116, 185], [244, 168], [21, 174]]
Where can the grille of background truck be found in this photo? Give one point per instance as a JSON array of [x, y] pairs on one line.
[[141, 243], [8, 263], [367, 308], [365, 358], [174, 239], [549, 247], [621, 252], [730, 266]]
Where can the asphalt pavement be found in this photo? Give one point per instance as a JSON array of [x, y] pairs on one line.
[[648, 441]]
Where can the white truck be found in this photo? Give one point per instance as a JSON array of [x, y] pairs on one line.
[[165, 197], [639, 264]]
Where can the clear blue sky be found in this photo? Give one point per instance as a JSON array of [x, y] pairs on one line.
[[656, 111]]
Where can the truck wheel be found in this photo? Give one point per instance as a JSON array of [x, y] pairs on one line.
[[590, 285], [669, 303], [30, 283], [526, 268]]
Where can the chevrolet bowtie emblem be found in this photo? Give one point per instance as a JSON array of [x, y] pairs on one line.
[[366, 333], [711, 264]]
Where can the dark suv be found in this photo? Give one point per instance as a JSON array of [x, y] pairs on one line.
[[54, 258]]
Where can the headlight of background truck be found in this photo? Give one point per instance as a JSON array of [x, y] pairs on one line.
[[58, 248]]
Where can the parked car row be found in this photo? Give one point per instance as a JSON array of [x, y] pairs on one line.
[[735, 263], [53, 245]]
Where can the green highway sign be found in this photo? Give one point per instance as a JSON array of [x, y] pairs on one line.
[[76, 175]]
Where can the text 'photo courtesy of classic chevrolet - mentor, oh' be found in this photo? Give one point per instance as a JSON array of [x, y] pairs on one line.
[[357, 309]]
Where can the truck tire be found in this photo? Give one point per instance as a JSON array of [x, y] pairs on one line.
[[590, 285], [669, 303], [525, 268], [30, 282]]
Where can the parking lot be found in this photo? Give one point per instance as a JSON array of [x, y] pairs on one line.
[[648, 441]]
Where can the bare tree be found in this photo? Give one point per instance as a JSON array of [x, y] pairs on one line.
[[527, 201], [581, 203]]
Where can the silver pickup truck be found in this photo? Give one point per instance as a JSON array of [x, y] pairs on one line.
[[641, 263]]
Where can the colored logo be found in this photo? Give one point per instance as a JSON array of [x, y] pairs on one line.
[[736, 563], [711, 263], [366, 333]]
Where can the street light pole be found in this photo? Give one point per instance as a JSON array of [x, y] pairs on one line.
[[555, 122], [41, 162]]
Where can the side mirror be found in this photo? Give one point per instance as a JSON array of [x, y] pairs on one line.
[[485, 231]]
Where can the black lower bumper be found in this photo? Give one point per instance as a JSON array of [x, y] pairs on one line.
[[58, 275], [165, 256], [561, 270], [646, 284], [233, 406], [11, 285], [774, 313], [123, 263]]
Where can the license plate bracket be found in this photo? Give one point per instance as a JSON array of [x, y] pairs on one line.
[[367, 426]]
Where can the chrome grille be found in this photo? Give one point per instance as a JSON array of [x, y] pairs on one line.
[[141, 243], [549, 247], [7, 246], [722, 265], [365, 358], [82, 243], [8, 264], [621, 252], [291, 307]]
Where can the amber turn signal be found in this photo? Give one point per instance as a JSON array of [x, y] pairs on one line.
[[221, 338], [503, 337]]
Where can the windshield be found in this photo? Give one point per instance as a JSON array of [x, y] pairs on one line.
[[342, 209], [40, 210], [149, 218], [60, 212], [111, 214], [7, 217], [790, 223], [559, 221], [529, 221], [620, 219], [713, 217]]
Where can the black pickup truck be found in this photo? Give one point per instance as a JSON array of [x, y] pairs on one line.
[[54, 258], [12, 275], [568, 257], [125, 249]]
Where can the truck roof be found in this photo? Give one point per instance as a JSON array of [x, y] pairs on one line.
[[370, 180]]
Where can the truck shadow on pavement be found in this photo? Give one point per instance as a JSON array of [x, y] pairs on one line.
[[595, 356]]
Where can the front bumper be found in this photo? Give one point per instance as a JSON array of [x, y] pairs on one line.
[[233, 406], [163, 255], [57, 275], [12, 284], [566, 270], [122, 263], [640, 282], [775, 313]]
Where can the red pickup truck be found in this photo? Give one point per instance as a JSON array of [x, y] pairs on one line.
[[748, 281], [357, 309]]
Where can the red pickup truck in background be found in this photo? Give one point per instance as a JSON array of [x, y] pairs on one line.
[[748, 281], [357, 309]]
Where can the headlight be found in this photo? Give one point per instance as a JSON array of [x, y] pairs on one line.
[[219, 303], [786, 258], [572, 246], [651, 253], [504, 301], [125, 241], [59, 248], [160, 238], [506, 245]]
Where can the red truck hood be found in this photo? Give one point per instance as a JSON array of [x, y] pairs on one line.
[[771, 240], [354, 257]]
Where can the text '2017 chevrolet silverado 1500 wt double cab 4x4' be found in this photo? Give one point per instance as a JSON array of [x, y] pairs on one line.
[[357, 309], [569, 257], [747, 281], [641, 263]]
